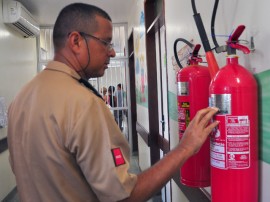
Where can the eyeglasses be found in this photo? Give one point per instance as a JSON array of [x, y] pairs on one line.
[[108, 45]]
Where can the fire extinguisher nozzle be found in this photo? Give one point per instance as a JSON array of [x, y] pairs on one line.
[[212, 64]]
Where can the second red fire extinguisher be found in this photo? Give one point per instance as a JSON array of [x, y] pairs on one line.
[[192, 95], [234, 143]]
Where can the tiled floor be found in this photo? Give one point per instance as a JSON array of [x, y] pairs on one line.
[[134, 164], [12, 197]]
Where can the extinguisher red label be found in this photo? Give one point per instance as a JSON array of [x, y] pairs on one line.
[[183, 117], [230, 143]]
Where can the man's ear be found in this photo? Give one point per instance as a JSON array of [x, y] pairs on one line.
[[75, 41]]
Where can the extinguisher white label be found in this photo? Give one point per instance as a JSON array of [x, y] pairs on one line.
[[230, 142]]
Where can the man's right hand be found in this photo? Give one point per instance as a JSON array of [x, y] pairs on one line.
[[198, 130]]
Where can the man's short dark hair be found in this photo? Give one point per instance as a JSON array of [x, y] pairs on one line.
[[76, 17]]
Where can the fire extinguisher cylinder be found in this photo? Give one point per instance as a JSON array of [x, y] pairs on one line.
[[234, 143], [192, 95]]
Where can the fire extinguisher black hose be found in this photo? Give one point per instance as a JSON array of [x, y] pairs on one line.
[[200, 27], [194, 7], [213, 24], [175, 49], [217, 48], [212, 63]]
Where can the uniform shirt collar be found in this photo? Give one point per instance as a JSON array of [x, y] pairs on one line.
[[62, 67]]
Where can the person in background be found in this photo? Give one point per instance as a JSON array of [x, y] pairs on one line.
[[111, 97], [112, 100], [120, 99], [104, 94], [63, 141]]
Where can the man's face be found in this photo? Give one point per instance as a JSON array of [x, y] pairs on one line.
[[100, 53]]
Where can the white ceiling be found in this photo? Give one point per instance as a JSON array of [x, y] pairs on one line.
[[46, 11]]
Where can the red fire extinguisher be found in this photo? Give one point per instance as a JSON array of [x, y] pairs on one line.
[[192, 95], [234, 143]]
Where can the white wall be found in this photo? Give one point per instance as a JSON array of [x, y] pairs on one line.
[[18, 61]]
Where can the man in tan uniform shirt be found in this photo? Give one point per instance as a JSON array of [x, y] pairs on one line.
[[64, 143]]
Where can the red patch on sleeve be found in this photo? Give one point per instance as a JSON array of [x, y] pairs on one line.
[[118, 157]]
